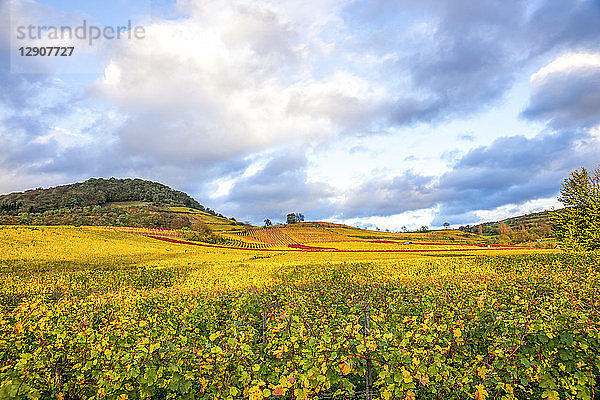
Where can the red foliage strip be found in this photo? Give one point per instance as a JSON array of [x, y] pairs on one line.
[[205, 244], [450, 244], [310, 248]]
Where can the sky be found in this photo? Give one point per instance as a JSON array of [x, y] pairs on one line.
[[377, 113]]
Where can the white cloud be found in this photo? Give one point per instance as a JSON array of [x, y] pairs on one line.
[[112, 74], [232, 78], [411, 220], [510, 210], [566, 92], [566, 64]]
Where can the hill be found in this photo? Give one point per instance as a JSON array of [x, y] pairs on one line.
[[526, 221], [520, 229], [112, 202], [93, 192]]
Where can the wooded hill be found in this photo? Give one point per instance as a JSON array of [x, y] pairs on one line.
[[93, 192], [527, 221], [98, 201], [524, 228]]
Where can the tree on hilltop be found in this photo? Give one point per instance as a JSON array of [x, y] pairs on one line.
[[293, 218]]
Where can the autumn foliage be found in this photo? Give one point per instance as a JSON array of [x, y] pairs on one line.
[[102, 314]]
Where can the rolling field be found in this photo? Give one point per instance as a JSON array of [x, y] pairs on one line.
[[107, 314]]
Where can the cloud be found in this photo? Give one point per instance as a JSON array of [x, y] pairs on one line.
[[279, 187], [381, 196], [458, 57], [467, 137], [462, 62], [513, 170], [563, 25], [510, 170], [230, 79], [566, 92], [190, 102]]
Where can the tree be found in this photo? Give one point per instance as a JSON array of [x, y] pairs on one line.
[[268, 222], [423, 229], [446, 225], [479, 229], [293, 218], [505, 233], [578, 224], [503, 229]]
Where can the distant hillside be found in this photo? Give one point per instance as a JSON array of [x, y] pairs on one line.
[[528, 221], [533, 227], [119, 202]]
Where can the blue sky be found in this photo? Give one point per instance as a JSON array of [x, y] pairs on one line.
[[375, 113]]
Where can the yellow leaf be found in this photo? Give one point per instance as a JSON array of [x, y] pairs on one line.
[[481, 393], [551, 394], [509, 389], [254, 393], [345, 368], [482, 371]]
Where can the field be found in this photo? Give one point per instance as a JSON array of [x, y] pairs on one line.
[[107, 314]]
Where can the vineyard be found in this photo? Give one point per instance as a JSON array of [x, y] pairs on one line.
[[311, 237], [104, 314], [215, 222], [314, 234], [337, 238], [272, 236], [151, 232]]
